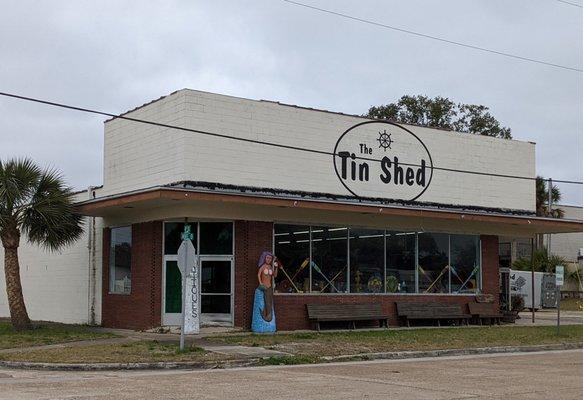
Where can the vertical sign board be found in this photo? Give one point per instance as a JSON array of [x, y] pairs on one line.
[[559, 280], [560, 275], [187, 263]]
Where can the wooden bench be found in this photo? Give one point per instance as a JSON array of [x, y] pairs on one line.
[[347, 312], [431, 312], [482, 311]]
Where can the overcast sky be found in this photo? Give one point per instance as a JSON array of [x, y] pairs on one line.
[[115, 55]]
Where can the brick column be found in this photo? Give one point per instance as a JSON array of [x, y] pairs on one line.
[[141, 309], [251, 238]]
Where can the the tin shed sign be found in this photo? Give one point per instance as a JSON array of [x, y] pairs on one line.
[[383, 159]]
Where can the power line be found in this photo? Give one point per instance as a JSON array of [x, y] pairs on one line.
[[436, 38], [254, 141], [569, 3]]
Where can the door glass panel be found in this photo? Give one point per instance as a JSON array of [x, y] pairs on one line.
[[216, 276], [172, 238], [173, 292], [216, 238], [216, 304]]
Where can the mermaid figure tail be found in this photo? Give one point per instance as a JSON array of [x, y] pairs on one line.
[[267, 311], [263, 313]]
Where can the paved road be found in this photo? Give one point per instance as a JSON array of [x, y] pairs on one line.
[[556, 375]]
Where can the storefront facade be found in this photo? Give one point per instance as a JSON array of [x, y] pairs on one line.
[[152, 296], [358, 211]]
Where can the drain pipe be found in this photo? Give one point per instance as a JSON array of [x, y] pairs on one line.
[[91, 264]]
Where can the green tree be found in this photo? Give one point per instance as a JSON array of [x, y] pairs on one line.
[[37, 204], [441, 112], [542, 199], [576, 275], [543, 262]]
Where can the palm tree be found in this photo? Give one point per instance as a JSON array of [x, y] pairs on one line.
[[543, 262], [542, 204], [37, 204], [542, 199]]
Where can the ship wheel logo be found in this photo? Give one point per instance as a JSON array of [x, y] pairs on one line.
[[385, 140]]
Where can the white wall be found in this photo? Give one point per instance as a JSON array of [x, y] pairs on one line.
[[567, 245], [138, 156], [56, 285]]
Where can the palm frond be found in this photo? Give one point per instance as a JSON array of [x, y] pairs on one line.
[[18, 179], [49, 219], [543, 262]]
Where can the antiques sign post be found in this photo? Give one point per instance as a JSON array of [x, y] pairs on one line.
[[187, 263]]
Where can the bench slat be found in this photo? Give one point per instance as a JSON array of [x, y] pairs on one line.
[[431, 311], [346, 312]]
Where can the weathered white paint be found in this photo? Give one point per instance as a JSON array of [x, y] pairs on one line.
[[139, 156], [61, 286]]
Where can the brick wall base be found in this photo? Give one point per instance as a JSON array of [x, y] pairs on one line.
[[291, 314]]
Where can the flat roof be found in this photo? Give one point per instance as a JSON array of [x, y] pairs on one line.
[[282, 104]]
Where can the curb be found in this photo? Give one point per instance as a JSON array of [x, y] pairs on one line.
[[401, 355], [131, 366], [252, 362]]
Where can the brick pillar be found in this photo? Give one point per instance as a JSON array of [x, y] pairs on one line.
[[251, 238], [141, 309]]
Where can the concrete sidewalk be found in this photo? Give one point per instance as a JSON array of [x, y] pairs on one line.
[[128, 336], [549, 317], [542, 318]]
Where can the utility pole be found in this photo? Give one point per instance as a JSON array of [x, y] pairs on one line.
[[531, 277], [550, 190]]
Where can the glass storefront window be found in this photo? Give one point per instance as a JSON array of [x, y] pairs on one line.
[[216, 238], [120, 260], [400, 262], [172, 236], [433, 264], [381, 261], [465, 263], [292, 247], [329, 260], [367, 262]]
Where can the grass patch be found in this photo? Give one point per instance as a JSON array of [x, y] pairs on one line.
[[131, 352], [354, 342], [291, 360], [572, 304], [46, 333]]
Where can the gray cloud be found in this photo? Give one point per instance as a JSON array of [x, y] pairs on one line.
[[115, 55]]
